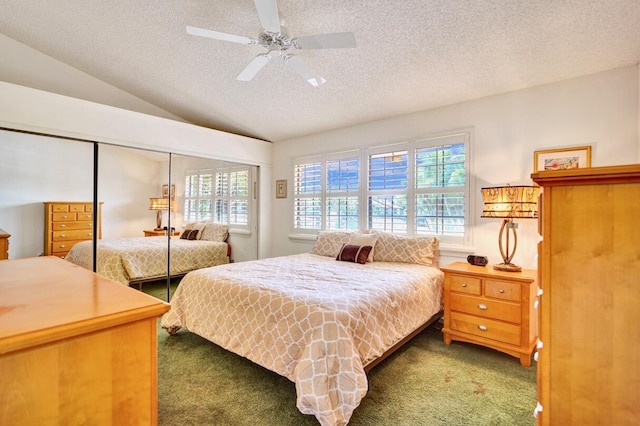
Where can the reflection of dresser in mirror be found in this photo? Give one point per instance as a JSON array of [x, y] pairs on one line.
[[4, 244], [67, 223]]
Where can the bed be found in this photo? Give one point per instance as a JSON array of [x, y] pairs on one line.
[[320, 322], [136, 260]]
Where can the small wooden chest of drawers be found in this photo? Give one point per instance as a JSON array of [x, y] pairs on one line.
[[491, 308], [67, 223]]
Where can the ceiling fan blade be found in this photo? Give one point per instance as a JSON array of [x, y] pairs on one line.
[[326, 41], [304, 70], [256, 65], [220, 36], [268, 14]]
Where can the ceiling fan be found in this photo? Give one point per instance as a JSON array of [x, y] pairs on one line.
[[275, 39]]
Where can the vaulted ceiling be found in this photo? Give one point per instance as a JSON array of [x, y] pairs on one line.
[[411, 55]]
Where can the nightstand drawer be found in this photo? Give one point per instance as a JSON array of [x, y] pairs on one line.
[[502, 290], [483, 327], [505, 311], [465, 284]]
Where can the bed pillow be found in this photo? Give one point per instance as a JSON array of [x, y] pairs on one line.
[[354, 253], [189, 234], [397, 248], [329, 243], [215, 232], [198, 226], [362, 239]]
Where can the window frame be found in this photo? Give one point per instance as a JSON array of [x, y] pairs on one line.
[[465, 136]]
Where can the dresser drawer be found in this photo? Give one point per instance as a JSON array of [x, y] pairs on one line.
[[465, 284], [64, 217], [85, 216], [60, 226], [78, 208], [72, 235], [62, 246], [59, 208], [505, 311], [502, 290], [487, 328]]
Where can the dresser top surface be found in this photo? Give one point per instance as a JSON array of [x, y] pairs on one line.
[[489, 272], [48, 298]]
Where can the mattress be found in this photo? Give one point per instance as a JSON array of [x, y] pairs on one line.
[[310, 318]]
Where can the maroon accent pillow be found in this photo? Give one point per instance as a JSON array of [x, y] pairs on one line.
[[189, 234], [352, 253]]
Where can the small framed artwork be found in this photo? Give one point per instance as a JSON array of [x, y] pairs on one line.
[[165, 191], [577, 157], [281, 188]]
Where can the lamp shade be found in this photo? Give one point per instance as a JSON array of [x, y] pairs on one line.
[[510, 202], [158, 204]]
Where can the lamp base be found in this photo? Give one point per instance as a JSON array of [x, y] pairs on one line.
[[507, 267]]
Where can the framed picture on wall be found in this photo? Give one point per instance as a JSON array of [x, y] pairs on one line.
[[281, 188], [577, 157], [165, 191]]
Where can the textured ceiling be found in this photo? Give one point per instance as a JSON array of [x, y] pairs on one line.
[[411, 55]]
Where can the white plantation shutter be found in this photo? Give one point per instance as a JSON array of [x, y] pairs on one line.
[[307, 195], [221, 195], [388, 184], [342, 193]]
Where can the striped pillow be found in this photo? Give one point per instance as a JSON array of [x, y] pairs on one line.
[[353, 253]]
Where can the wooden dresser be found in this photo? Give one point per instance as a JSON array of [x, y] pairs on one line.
[[589, 266], [491, 308], [4, 244], [67, 223], [75, 348]]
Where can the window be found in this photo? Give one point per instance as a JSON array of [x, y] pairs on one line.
[[420, 187], [326, 192], [221, 195]]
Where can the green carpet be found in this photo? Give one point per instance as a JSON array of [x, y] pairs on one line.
[[424, 383]]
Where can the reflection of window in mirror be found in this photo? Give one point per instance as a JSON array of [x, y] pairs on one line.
[[218, 191]]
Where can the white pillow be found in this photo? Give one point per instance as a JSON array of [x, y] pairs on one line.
[[360, 239], [329, 243], [421, 250]]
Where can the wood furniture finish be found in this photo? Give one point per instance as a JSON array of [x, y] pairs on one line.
[[75, 348], [155, 233], [67, 223], [589, 266], [491, 308], [4, 244]]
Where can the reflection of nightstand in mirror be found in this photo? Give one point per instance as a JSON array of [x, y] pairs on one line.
[[154, 233]]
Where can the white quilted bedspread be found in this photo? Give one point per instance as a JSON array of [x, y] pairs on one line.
[[127, 259], [312, 319]]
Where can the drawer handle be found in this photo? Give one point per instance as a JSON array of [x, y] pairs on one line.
[[483, 327], [89, 234], [62, 246], [464, 285], [63, 226], [63, 235], [501, 291], [65, 216], [482, 306], [90, 225]]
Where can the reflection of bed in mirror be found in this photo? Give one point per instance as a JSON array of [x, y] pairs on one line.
[[137, 260], [320, 322]]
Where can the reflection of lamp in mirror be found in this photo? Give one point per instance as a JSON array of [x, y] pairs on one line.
[[510, 202], [159, 204]]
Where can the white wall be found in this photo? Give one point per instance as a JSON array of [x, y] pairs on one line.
[[600, 110]]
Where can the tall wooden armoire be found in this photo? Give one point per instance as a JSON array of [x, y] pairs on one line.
[[589, 273]]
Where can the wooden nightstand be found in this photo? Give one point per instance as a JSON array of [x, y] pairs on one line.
[[491, 308], [154, 233]]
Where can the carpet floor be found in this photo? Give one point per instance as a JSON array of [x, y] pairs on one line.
[[424, 383]]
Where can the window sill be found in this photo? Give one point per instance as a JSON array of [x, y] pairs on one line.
[[303, 237]]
